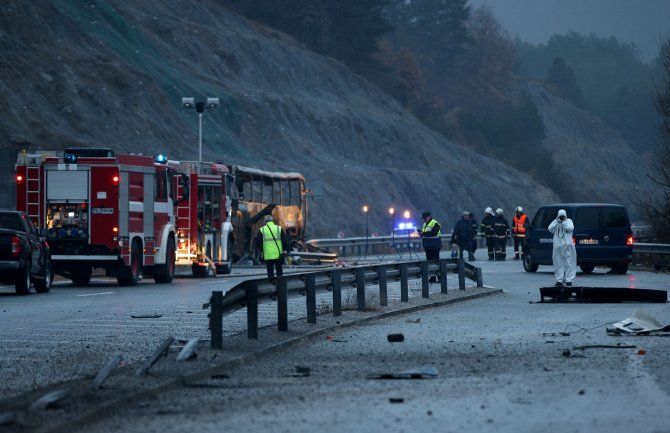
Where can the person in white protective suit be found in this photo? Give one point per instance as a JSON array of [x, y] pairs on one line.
[[564, 254]]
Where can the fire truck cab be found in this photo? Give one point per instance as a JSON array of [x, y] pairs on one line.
[[205, 235], [103, 210]]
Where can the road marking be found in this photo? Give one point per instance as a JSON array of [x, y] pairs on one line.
[[96, 294]]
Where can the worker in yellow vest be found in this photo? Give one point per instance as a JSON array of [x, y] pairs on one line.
[[272, 242]]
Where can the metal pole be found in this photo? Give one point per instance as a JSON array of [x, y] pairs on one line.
[[336, 277], [461, 273], [366, 236], [383, 292], [252, 311], [282, 304], [443, 276], [404, 292], [310, 287], [199, 137], [216, 319], [360, 289], [424, 280]]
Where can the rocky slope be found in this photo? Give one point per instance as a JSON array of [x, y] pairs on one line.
[[112, 73]]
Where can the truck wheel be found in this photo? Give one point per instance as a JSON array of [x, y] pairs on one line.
[[619, 269], [587, 269], [528, 264], [130, 275], [165, 273], [23, 279], [43, 285], [81, 276]]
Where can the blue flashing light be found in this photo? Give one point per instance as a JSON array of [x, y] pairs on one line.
[[160, 159], [70, 158]]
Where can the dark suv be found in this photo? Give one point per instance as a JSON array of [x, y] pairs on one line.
[[602, 236]]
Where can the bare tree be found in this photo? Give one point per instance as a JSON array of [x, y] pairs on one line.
[[657, 208]]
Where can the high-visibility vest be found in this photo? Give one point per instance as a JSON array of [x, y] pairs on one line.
[[272, 246], [429, 226], [519, 229]]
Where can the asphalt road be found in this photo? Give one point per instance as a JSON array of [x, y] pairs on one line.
[[499, 360], [500, 367]]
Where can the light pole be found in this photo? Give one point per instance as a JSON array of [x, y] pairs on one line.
[[392, 212], [200, 108], [365, 211], [407, 215]]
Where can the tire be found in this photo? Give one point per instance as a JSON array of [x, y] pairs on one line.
[[23, 279], [130, 275], [43, 285], [587, 269], [81, 276], [165, 273], [619, 269], [528, 264]]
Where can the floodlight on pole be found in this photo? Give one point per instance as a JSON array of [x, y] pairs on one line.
[[365, 211], [199, 107]]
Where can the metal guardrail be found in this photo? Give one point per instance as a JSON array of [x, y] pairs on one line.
[[251, 292], [646, 248]]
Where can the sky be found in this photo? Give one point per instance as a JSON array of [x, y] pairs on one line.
[[643, 22]]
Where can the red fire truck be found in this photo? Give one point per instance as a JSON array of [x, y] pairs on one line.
[[103, 210], [204, 232]]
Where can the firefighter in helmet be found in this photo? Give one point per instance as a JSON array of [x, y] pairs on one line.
[[501, 230], [520, 226], [486, 231]]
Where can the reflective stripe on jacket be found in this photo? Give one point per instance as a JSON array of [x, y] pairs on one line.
[[428, 227], [518, 226], [272, 246]]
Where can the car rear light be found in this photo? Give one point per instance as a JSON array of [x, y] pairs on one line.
[[629, 240], [16, 246], [574, 240]]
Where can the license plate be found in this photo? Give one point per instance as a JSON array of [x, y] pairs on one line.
[[588, 241]]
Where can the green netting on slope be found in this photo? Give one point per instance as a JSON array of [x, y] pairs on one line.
[[99, 18]]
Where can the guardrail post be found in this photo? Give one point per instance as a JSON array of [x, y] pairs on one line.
[[360, 289], [461, 274], [336, 278], [404, 291], [251, 294], [443, 276], [480, 278], [424, 280], [216, 319], [383, 291], [310, 286], [282, 304]]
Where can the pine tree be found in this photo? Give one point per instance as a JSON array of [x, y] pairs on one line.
[[562, 77]]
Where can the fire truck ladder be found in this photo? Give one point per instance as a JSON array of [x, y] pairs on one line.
[[33, 198], [184, 214]]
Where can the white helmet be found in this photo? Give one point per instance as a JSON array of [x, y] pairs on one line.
[[519, 209], [488, 210], [499, 211]]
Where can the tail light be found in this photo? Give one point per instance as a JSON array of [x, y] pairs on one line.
[[629, 240], [115, 179], [16, 246], [574, 240], [19, 179]]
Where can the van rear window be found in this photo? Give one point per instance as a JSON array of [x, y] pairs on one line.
[[614, 218], [587, 218]]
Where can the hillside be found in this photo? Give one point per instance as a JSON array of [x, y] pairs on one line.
[[112, 73]]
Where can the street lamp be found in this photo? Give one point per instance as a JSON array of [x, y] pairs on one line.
[[365, 211], [200, 108], [392, 212], [407, 215]]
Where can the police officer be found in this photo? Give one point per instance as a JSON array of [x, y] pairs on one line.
[[272, 241], [520, 225], [430, 236], [486, 231], [501, 231]]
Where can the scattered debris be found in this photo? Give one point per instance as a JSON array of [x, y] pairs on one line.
[[300, 372], [188, 352], [413, 321], [641, 352], [555, 334], [414, 373], [396, 400], [601, 294], [146, 316], [640, 323], [106, 371], [162, 350], [394, 338], [604, 346], [568, 354], [219, 376], [581, 392], [49, 399]]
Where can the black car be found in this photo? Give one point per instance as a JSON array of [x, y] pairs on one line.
[[602, 236], [25, 257]]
